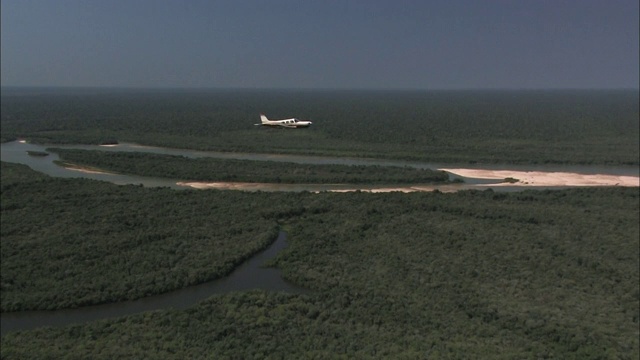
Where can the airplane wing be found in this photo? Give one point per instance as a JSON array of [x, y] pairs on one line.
[[288, 126]]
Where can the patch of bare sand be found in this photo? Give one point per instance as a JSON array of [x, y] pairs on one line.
[[407, 189], [224, 185], [87, 170], [339, 188], [539, 178]]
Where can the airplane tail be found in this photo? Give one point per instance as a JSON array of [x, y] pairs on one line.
[[263, 119]]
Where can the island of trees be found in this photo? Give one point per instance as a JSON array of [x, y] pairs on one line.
[[209, 169]]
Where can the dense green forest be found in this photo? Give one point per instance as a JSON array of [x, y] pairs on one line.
[[75, 242], [584, 127], [209, 169], [533, 274]]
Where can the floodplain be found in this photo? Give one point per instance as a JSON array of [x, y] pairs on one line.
[[469, 274]]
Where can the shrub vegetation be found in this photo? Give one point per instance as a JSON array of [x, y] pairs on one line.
[[472, 274]]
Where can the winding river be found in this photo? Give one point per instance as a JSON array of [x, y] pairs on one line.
[[474, 176], [251, 275]]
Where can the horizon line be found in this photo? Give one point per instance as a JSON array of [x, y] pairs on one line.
[[209, 88]]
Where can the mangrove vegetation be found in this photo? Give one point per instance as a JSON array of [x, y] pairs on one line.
[[209, 169], [472, 274]]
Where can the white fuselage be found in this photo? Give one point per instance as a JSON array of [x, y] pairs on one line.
[[292, 123]]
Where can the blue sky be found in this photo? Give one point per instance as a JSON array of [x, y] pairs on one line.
[[346, 44]]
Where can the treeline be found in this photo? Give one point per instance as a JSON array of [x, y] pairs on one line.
[[210, 169], [572, 127], [547, 274]]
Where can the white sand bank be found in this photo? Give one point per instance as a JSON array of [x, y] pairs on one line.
[[539, 178], [87, 171]]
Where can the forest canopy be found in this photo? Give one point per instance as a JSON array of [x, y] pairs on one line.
[[467, 274], [471, 274], [550, 126]]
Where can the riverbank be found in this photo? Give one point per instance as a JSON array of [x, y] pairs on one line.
[[502, 179], [496, 177]]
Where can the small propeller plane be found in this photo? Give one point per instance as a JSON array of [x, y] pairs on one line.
[[292, 123]]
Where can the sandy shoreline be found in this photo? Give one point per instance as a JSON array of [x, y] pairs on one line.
[[225, 185], [539, 178], [520, 179], [517, 179], [497, 178], [87, 170], [338, 188]]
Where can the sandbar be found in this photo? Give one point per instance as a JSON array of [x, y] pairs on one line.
[[87, 170], [541, 178]]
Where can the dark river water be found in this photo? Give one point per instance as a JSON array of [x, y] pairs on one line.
[[249, 275]]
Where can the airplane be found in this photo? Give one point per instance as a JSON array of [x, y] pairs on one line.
[[292, 123]]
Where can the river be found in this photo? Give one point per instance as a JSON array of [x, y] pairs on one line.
[[250, 275], [595, 175]]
